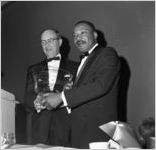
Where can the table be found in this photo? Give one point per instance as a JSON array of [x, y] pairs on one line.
[[38, 147]]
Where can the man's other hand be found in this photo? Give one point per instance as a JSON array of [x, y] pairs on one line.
[[52, 100]]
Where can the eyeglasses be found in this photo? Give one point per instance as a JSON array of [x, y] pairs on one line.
[[49, 41]]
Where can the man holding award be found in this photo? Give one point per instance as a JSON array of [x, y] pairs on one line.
[[92, 101], [45, 125]]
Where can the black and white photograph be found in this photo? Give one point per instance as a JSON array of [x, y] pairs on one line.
[[77, 75]]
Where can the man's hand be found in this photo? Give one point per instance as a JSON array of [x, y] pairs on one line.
[[52, 100], [38, 103], [68, 85]]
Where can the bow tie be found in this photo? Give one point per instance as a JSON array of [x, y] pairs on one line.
[[83, 55], [54, 58]]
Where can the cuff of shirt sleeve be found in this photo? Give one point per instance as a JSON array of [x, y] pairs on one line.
[[65, 102]]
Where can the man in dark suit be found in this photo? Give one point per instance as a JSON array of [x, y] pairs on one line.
[[93, 99], [47, 126]]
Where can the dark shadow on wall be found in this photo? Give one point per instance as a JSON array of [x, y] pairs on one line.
[[123, 90], [123, 81], [101, 38], [71, 65], [65, 47]]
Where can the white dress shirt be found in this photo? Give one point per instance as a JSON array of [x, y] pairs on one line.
[[53, 67], [78, 71], [84, 59]]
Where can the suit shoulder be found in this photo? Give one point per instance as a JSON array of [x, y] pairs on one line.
[[34, 66], [71, 65], [109, 51]]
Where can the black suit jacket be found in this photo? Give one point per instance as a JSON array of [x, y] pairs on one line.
[[46, 125], [93, 99], [30, 94]]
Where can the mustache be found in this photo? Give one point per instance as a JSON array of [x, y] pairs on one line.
[[79, 42]]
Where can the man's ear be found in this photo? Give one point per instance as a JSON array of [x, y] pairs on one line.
[[60, 41], [95, 34]]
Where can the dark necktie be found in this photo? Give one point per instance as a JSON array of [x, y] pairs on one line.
[[83, 55], [54, 58]]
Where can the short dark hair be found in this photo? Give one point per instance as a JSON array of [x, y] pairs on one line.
[[86, 22]]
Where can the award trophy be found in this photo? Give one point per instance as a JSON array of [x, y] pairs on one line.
[[50, 80]]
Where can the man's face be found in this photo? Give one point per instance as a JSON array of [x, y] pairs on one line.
[[50, 43], [84, 37]]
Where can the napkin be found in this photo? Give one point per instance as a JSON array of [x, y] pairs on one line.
[[122, 133]]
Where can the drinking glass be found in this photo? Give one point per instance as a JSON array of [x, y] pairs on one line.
[[7, 139]]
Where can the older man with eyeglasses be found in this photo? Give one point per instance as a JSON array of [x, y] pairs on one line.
[[47, 126]]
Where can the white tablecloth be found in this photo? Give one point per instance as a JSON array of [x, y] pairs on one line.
[[38, 147], [7, 112]]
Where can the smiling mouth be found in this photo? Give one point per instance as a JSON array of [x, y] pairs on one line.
[[48, 50], [80, 43]]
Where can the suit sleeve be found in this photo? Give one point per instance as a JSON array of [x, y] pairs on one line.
[[30, 94], [99, 80]]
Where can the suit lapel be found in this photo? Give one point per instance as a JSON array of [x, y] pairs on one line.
[[87, 64], [58, 86], [81, 71], [61, 67]]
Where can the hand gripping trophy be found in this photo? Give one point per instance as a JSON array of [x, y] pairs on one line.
[[50, 80]]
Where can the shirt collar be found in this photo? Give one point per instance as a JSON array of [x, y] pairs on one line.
[[58, 55], [93, 48]]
